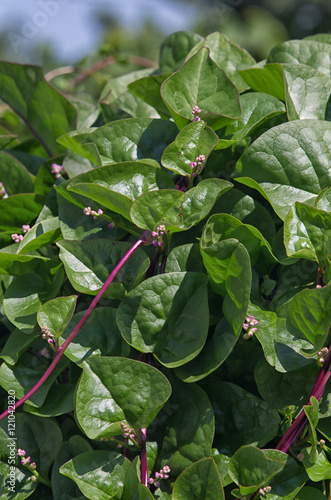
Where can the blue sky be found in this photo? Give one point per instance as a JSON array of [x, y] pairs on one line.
[[68, 25]]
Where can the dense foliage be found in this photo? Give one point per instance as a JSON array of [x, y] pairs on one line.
[[164, 271]]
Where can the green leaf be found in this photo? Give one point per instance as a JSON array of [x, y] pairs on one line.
[[200, 480], [185, 258], [14, 481], [240, 417], [14, 176], [323, 200], [177, 210], [124, 140], [116, 186], [307, 92], [98, 474], [112, 390], [228, 265], [307, 493], [309, 316], [39, 437], [268, 79], [217, 348], [221, 227], [288, 163], [23, 298], [175, 48], [200, 82], [15, 264], [284, 389], [250, 469], [311, 412], [148, 89], [188, 430], [193, 140], [319, 469], [41, 234], [56, 313], [59, 400], [88, 264], [288, 482], [99, 336], [310, 52], [133, 489], [167, 315], [19, 209], [6, 139], [281, 349], [26, 373], [307, 233], [17, 343], [227, 55], [257, 107], [47, 112], [62, 486]]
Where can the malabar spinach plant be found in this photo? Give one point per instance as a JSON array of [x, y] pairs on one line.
[[165, 276]]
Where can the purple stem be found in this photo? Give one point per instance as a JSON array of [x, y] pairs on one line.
[[65, 344], [143, 458], [297, 427]]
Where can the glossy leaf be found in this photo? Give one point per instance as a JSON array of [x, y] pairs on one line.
[[14, 175], [124, 140], [56, 313], [193, 140], [42, 437], [21, 487], [44, 233], [186, 88], [250, 468], [188, 428], [230, 403], [102, 403], [89, 263], [309, 316], [281, 349], [133, 489], [201, 478], [307, 233], [98, 474], [117, 186], [99, 336], [148, 89], [319, 469], [288, 163], [310, 52], [268, 79], [284, 389], [177, 210], [166, 315], [227, 55], [307, 92], [24, 297], [47, 112], [258, 107], [175, 48], [228, 265], [17, 210], [215, 351], [288, 482]]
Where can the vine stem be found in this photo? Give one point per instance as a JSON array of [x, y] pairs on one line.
[[63, 347], [297, 427], [143, 458]]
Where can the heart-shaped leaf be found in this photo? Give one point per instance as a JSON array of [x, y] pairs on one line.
[[112, 390], [186, 88], [288, 163], [200, 480], [151, 319]]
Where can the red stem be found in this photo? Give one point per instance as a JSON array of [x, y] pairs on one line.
[[65, 344], [297, 427], [143, 458]]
